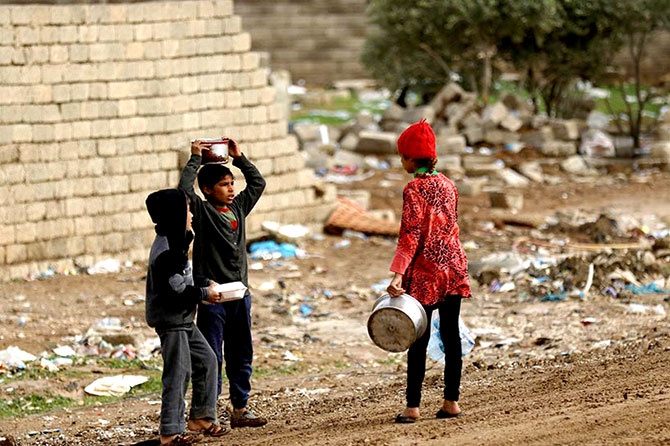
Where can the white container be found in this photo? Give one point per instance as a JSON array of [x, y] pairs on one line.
[[231, 290]]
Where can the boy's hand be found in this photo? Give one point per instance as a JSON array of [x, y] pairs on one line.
[[233, 149], [213, 296], [198, 146]]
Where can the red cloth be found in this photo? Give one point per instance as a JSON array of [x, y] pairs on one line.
[[429, 254]]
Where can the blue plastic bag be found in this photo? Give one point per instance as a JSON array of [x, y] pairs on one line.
[[435, 346]]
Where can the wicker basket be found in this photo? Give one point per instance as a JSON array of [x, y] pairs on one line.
[[350, 215]]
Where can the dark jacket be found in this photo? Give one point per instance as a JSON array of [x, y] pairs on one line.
[[219, 252], [171, 297]]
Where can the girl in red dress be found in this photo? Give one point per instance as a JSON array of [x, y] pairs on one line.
[[430, 265]]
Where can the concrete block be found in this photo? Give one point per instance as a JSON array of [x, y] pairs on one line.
[[377, 142], [15, 254], [506, 200], [468, 187], [566, 130], [450, 144], [559, 148], [499, 137], [416, 114], [494, 114], [538, 138], [532, 170], [26, 232], [512, 178]]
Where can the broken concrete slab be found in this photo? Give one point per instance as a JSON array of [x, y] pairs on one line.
[[468, 187], [566, 129], [512, 178], [558, 148], [506, 200], [532, 170], [377, 142], [450, 144]]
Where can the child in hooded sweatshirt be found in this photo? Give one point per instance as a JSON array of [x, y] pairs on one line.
[[171, 301]]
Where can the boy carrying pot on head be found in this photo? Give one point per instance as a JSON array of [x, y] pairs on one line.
[[219, 252]]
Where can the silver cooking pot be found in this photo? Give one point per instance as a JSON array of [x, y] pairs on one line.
[[396, 322]]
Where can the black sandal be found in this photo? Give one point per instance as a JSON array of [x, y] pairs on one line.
[[184, 439]]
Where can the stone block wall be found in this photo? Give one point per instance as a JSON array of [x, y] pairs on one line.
[[319, 41], [98, 103]]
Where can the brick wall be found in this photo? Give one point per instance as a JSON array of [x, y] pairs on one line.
[[97, 106], [319, 41]]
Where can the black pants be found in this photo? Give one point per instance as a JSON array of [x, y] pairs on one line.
[[227, 328], [453, 362]]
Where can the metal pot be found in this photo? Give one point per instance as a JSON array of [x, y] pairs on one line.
[[396, 322]]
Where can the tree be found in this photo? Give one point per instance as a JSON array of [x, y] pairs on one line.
[[575, 43], [422, 43], [639, 20]]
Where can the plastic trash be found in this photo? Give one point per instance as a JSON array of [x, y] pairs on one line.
[[650, 288], [435, 346], [554, 297], [114, 385], [597, 143], [14, 357], [105, 266], [271, 250]]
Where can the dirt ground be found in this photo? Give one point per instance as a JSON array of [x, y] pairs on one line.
[[588, 369]]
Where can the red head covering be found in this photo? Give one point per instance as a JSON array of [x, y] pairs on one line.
[[417, 141]]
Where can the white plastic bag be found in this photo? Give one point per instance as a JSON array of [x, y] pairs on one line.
[[435, 346]]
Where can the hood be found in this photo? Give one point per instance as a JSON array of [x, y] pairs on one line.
[[167, 209]]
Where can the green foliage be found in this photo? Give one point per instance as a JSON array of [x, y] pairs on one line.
[[422, 44], [80, 372], [639, 19], [32, 403], [340, 111]]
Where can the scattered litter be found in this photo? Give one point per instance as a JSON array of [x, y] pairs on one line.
[[554, 297], [289, 231], [114, 385], [651, 288], [641, 309], [270, 249], [288, 356], [602, 344], [13, 357], [65, 351], [104, 267], [588, 321], [435, 345]]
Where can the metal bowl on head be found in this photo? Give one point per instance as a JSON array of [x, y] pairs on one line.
[[217, 151], [396, 322]]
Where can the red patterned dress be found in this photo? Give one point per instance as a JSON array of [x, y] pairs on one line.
[[429, 254]]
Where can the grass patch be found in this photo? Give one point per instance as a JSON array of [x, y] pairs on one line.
[[31, 404], [289, 369], [82, 372], [337, 110]]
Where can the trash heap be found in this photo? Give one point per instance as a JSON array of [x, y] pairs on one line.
[[578, 255]]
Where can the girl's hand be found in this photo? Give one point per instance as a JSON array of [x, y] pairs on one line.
[[395, 288]]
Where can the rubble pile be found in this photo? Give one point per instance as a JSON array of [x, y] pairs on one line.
[[466, 133]]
